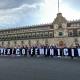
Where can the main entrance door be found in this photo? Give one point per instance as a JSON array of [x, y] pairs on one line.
[[61, 43]]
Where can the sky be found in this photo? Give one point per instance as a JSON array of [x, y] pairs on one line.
[[20, 13]]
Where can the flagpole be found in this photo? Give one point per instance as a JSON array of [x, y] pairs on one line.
[[58, 6]]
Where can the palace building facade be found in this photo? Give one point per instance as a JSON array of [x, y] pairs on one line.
[[59, 32]]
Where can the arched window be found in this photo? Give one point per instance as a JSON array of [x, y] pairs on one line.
[[15, 43], [8, 43], [37, 42], [46, 41], [76, 41], [22, 42], [29, 42], [2, 43]]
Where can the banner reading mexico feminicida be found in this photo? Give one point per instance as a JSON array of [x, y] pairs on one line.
[[74, 52]]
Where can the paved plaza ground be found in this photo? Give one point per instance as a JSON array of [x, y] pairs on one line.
[[28, 68]]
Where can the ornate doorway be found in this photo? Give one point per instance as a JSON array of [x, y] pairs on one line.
[[61, 43]]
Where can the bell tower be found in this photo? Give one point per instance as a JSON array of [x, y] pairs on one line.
[[60, 24]]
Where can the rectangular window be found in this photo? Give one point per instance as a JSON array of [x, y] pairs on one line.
[[78, 33], [37, 34], [46, 34], [33, 35], [29, 35], [50, 34], [70, 34], [60, 33], [41, 34]]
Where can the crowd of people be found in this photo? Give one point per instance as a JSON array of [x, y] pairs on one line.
[[46, 45]]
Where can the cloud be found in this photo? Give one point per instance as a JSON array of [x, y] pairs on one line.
[[73, 3], [69, 12], [50, 9], [18, 13], [8, 4], [18, 16]]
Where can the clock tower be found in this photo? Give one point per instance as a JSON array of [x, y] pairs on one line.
[[60, 26]]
